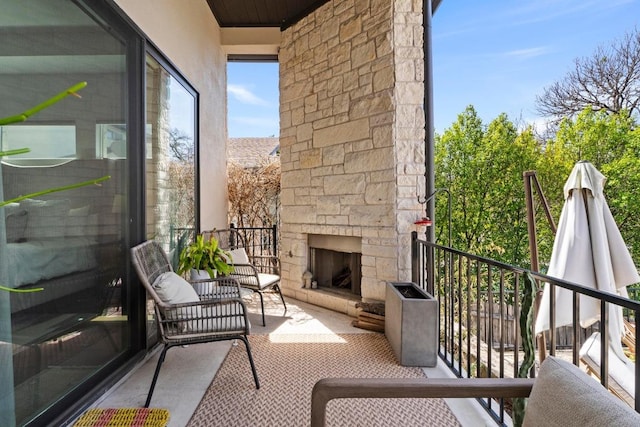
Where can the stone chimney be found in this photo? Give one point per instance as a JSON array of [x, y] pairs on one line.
[[352, 140]]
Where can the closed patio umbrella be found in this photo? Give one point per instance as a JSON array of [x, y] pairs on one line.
[[588, 250]]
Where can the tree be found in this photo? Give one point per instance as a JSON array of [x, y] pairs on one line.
[[509, 154], [456, 161], [607, 81], [254, 193], [612, 143], [182, 178], [482, 167], [181, 145], [595, 136]]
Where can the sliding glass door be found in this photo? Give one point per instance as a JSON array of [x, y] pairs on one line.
[[63, 222], [91, 163]]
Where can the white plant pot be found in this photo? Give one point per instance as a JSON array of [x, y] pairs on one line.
[[202, 288], [201, 274]]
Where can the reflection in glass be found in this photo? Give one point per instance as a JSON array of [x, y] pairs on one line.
[[111, 141], [65, 249], [171, 166]]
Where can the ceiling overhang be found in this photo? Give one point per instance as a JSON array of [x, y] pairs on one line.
[[268, 13], [262, 13]]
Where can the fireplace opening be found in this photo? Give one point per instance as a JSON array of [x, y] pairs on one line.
[[337, 271]]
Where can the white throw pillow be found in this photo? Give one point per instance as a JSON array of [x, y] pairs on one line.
[[239, 256], [16, 225], [173, 289], [46, 219], [77, 221]]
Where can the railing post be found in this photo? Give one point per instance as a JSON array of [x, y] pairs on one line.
[[415, 259], [274, 237], [232, 236], [637, 367]]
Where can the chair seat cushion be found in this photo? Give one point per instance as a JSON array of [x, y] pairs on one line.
[[219, 318], [621, 372], [173, 289], [267, 280], [565, 396], [210, 290]]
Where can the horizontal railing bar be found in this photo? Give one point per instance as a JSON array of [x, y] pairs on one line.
[[601, 295]]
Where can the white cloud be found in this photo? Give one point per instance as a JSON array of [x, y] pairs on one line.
[[244, 95], [255, 121], [528, 53]]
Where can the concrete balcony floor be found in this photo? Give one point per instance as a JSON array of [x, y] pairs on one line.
[[187, 372]]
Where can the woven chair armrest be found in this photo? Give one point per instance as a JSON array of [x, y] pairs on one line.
[[266, 263], [220, 281], [209, 302], [267, 257], [212, 316], [217, 288]]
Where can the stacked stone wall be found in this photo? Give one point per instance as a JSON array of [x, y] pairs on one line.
[[352, 135]]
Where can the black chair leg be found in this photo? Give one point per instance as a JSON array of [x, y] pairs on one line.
[[277, 287], [155, 375], [253, 365], [264, 322]]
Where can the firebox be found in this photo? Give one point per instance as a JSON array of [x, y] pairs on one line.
[[335, 262]]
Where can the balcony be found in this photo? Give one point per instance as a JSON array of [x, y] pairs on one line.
[[479, 337], [483, 305]]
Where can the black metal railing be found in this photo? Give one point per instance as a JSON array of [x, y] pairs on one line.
[[481, 303], [259, 241]]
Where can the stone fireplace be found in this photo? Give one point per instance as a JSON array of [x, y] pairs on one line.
[[336, 263], [351, 146]]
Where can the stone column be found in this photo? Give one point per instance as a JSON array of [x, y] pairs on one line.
[[352, 135]]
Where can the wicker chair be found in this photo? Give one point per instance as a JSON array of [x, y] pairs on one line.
[[217, 316], [256, 272]]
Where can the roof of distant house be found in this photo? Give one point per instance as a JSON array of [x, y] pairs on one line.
[[250, 152]]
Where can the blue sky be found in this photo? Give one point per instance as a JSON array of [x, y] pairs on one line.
[[253, 99], [496, 55]]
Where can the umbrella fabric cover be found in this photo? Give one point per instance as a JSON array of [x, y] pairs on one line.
[[588, 250]]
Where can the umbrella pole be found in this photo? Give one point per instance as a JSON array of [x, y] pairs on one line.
[[529, 177]]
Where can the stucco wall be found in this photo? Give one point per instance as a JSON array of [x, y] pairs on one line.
[[187, 33]]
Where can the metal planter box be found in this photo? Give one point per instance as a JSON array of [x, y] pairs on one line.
[[411, 324]]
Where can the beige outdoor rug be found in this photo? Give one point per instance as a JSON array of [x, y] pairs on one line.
[[289, 365]]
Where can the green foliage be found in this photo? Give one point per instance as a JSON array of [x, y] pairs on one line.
[[483, 166], [594, 136], [611, 142], [204, 255], [525, 322]]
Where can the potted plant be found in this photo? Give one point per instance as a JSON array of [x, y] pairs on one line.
[[204, 255]]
